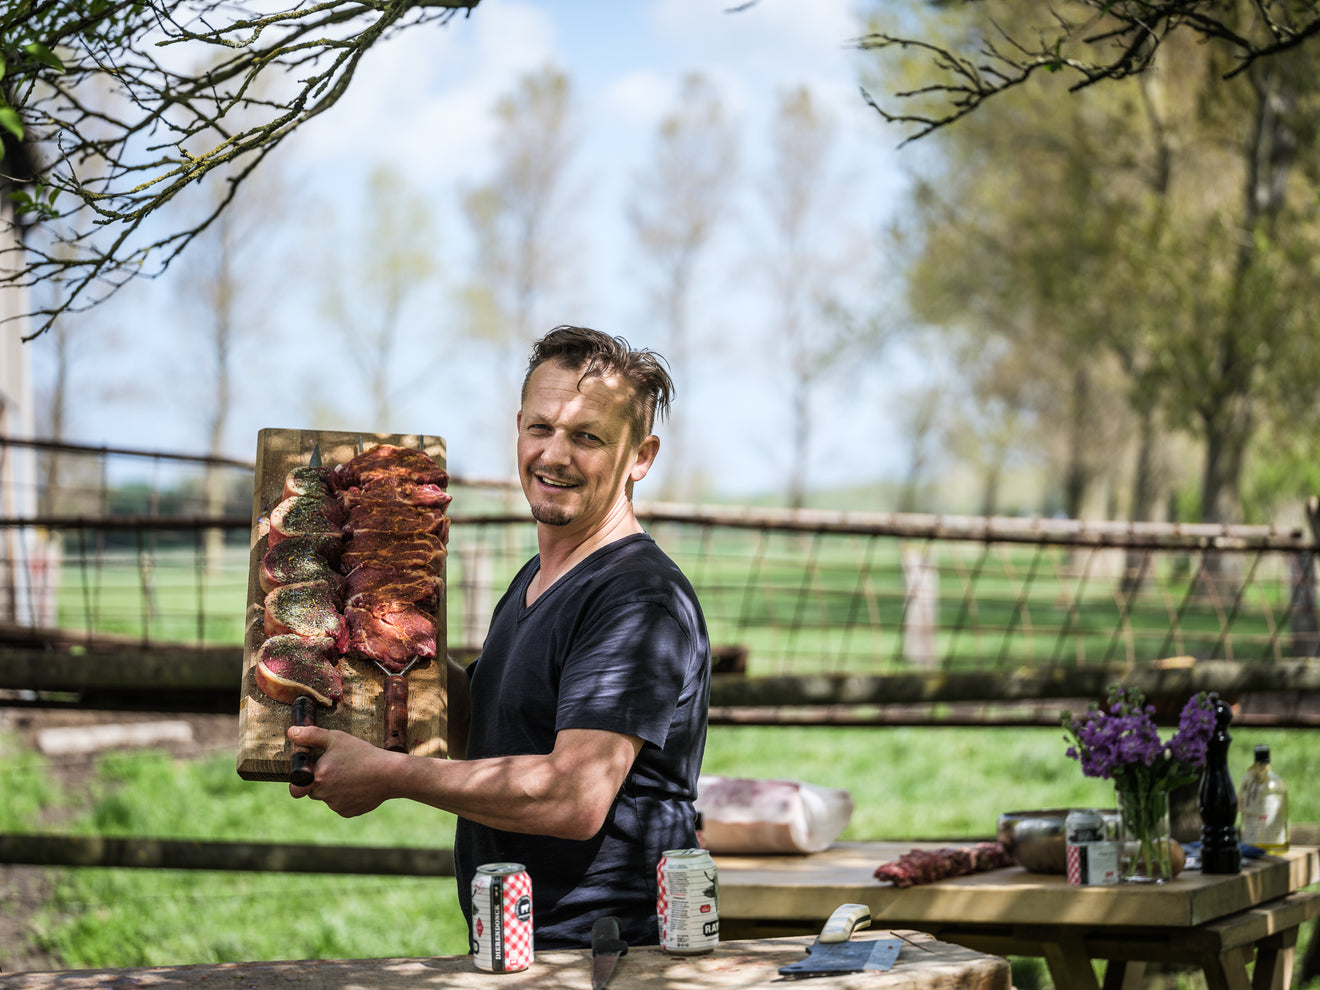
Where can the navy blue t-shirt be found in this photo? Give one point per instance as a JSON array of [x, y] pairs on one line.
[[619, 643]]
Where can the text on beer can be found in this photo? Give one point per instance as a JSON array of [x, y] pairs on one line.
[[502, 918], [688, 901]]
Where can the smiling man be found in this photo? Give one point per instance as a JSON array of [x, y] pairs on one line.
[[583, 721]]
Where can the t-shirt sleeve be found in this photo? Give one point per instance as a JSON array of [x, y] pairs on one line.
[[625, 673]]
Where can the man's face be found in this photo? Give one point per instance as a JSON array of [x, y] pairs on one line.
[[575, 451]]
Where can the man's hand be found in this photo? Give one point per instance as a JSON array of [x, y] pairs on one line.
[[350, 772]]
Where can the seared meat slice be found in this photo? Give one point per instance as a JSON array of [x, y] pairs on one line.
[[298, 559], [390, 465], [396, 517], [373, 582], [425, 551], [305, 515], [404, 492], [289, 666], [391, 633], [309, 609]]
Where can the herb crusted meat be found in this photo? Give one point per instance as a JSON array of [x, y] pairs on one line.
[[352, 568]]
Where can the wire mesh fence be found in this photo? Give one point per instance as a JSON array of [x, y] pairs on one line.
[[155, 547]]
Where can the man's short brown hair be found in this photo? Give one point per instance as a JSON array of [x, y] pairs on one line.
[[599, 355]]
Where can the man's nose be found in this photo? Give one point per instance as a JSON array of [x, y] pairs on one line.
[[557, 449]]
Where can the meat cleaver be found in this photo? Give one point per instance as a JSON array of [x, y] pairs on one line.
[[834, 952]]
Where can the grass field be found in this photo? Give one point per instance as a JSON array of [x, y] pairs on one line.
[[907, 783]]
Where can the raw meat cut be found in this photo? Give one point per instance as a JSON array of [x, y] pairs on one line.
[[408, 494], [420, 550], [929, 865], [388, 464], [305, 515], [390, 633], [397, 517], [375, 582], [298, 559], [352, 568], [308, 609], [307, 481], [289, 666]]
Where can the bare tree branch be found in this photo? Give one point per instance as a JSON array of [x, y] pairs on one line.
[[117, 120], [1096, 40]]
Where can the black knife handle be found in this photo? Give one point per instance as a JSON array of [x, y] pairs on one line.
[[605, 937], [300, 767]]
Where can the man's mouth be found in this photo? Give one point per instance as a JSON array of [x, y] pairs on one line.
[[554, 482]]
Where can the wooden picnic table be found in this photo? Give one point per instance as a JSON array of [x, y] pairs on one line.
[[1217, 922], [923, 964]]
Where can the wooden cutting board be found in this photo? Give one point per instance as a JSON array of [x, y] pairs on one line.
[[263, 750]]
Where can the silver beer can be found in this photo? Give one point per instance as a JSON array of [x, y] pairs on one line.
[[502, 918], [688, 901]]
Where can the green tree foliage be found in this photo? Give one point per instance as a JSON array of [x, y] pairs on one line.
[[1162, 228], [111, 109], [1084, 41]]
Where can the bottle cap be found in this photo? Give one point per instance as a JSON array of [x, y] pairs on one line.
[[1262, 754], [1083, 821]]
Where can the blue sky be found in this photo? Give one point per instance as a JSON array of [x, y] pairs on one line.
[[421, 103]]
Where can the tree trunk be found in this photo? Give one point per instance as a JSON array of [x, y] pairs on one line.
[[1077, 477]]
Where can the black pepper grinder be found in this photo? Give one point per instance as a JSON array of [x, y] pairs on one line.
[[1220, 852]]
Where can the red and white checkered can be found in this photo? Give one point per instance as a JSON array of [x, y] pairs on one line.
[[1090, 858], [688, 901], [502, 918]]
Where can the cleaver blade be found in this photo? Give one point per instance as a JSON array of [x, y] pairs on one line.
[[835, 952], [823, 959]]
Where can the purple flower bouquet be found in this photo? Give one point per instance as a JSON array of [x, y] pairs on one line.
[[1120, 742]]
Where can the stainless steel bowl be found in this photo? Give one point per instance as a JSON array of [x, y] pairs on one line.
[[1035, 839]]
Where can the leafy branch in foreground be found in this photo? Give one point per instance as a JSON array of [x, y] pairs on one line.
[[1095, 40], [114, 108]]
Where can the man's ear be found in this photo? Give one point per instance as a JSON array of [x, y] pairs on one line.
[[645, 458]]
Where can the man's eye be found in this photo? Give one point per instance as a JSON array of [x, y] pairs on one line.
[[589, 438]]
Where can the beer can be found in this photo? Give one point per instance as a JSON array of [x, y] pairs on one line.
[[1091, 858], [502, 918], [688, 901]]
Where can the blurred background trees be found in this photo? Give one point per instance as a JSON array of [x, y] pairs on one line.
[[1091, 296]]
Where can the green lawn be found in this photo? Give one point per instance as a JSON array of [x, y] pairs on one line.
[[907, 783]]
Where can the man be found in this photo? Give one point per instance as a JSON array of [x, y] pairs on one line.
[[582, 724]]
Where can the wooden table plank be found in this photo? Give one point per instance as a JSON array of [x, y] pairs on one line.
[[765, 888], [263, 751], [923, 964]]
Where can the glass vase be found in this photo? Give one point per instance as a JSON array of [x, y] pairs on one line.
[[1145, 855]]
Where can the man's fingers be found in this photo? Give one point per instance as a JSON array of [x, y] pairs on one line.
[[311, 736]]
